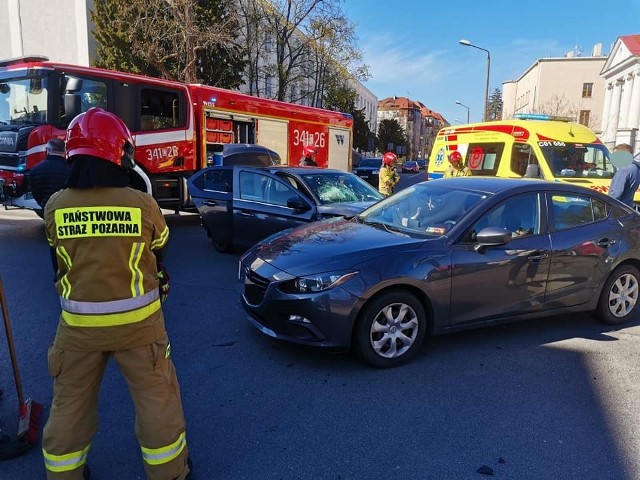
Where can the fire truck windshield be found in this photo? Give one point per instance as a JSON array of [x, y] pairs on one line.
[[577, 159], [23, 101]]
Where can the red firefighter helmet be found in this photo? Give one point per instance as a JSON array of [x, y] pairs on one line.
[[101, 134], [389, 158], [309, 150], [455, 157]]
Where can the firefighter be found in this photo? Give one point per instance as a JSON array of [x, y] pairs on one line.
[[456, 168], [309, 156], [388, 177], [109, 239]]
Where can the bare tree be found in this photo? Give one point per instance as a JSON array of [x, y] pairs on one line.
[[560, 106], [170, 38], [295, 44]]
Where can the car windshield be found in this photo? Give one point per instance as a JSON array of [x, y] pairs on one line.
[[23, 100], [423, 209], [577, 159], [370, 162], [340, 187]]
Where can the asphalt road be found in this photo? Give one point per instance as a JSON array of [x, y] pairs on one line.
[[556, 398]]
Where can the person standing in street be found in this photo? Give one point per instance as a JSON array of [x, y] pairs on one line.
[[51, 174], [626, 180], [110, 239], [308, 159], [48, 177], [456, 168], [388, 177]]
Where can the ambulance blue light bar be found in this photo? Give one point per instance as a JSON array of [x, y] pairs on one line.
[[540, 116]]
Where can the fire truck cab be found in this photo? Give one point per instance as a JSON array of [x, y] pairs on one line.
[[178, 128]]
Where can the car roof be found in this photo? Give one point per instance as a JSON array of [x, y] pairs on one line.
[[496, 185], [235, 148], [301, 170]]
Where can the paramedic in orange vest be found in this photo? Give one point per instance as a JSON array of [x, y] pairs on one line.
[[387, 176], [109, 239]]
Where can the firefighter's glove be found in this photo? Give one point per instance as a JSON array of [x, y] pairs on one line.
[[163, 282]]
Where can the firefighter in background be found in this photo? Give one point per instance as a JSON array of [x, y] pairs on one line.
[[109, 238], [309, 156], [388, 177], [456, 168]]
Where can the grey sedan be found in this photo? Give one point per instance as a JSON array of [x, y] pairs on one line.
[[442, 256]]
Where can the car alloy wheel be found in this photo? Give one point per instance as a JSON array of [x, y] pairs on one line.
[[391, 329], [619, 297]]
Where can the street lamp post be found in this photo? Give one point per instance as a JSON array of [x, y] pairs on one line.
[[467, 43], [463, 105]]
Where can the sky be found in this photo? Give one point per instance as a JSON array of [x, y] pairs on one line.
[[412, 46]]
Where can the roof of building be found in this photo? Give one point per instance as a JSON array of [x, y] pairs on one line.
[[632, 42], [399, 103]]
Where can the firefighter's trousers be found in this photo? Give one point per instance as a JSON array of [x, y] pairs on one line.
[[73, 420]]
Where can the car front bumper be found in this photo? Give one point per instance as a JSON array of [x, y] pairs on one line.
[[324, 319]]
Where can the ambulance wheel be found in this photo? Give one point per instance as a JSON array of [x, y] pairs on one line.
[[391, 329], [620, 296]]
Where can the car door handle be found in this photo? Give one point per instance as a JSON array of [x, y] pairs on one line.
[[210, 203], [537, 256], [606, 242], [244, 213]]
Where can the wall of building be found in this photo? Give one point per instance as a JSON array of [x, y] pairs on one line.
[[557, 86], [58, 29]]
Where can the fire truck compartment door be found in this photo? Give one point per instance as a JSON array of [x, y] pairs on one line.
[[273, 134], [339, 148]]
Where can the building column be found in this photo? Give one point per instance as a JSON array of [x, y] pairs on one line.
[[604, 123], [627, 86], [614, 113], [634, 104]]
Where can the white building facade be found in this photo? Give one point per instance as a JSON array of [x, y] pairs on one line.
[[565, 86], [58, 29], [621, 110]]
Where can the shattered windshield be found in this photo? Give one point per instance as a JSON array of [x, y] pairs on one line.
[[23, 101], [340, 188], [577, 159], [423, 209]]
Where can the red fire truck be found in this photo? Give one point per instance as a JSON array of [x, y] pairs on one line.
[[178, 128]]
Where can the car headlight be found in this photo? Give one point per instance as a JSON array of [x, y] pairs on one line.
[[316, 283]]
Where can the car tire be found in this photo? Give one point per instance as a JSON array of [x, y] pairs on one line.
[[620, 296], [220, 242], [391, 329]]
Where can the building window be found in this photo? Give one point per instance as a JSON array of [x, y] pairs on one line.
[[584, 117], [268, 86], [587, 90]]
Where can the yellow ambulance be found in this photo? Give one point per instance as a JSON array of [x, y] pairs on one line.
[[530, 145]]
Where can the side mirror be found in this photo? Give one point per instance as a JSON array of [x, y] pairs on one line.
[[73, 85], [298, 204], [491, 237], [72, 105], [533, 171]]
